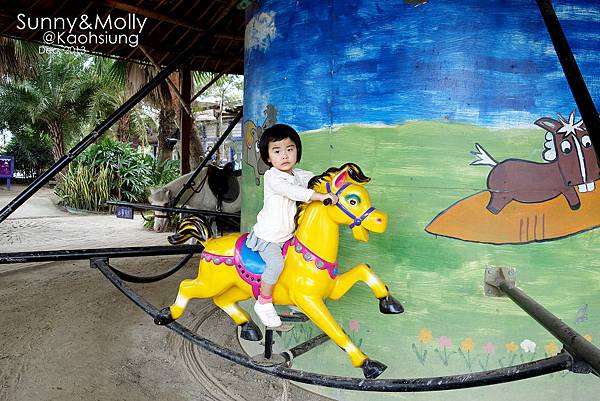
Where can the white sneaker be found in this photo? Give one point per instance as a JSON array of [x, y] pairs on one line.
[[267, 314]]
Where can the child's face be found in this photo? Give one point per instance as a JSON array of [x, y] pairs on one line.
[[283, 155]]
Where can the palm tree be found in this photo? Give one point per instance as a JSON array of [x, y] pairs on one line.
[[18, 58], [163, 98], [58, 98], [116, 87]]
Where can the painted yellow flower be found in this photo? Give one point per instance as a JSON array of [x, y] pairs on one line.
[[551, 348], [425, 336], [588, 337], [467, 345], [511, 347]]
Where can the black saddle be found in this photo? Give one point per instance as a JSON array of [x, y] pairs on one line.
[[223, 183]]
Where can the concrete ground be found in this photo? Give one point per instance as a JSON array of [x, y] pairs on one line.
[[67, 334]]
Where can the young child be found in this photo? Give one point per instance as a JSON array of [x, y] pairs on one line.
[[280, 148]]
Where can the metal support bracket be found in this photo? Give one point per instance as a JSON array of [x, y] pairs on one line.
[[494, 276]]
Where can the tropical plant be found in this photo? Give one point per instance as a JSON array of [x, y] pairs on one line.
[[58, 98], [122, 172], [18, 58], [115, 89], [85, 187], [31, 150]]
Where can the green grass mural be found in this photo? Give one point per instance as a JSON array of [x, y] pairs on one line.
[[419, 169]]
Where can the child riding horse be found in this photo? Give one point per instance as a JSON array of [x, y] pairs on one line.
[[229, 272]]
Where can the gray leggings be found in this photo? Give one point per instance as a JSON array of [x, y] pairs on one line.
[[271, 254]]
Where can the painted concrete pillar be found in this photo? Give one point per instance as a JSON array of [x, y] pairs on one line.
[[460, 113]]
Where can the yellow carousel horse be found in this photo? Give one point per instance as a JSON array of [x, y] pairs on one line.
[[229, 272]]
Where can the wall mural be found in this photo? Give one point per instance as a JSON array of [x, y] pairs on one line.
[[460, 113], [528, 201], [252, 134]]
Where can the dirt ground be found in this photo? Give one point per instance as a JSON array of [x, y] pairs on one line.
[[67, 334]]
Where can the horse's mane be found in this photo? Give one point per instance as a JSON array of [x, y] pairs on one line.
[[318, 183]]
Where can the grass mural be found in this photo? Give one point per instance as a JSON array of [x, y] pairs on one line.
[[418, 170]]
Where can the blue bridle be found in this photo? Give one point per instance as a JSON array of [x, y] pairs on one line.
[[357, 220]]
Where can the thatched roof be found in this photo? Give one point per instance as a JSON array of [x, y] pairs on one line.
[[169, 27]]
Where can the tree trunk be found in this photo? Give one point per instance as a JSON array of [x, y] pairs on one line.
[[123, 129], [58, 147], [196, 150], [166, 126]]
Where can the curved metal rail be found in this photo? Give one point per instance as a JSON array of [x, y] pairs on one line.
[[562, 361], [131, 278]]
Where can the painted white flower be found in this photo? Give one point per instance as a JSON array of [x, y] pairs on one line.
[[261, 31], [528, 346]]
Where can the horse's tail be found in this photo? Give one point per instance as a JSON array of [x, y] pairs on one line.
[[483, 157], [192, 227]]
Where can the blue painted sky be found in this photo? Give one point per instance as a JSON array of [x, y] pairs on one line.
[[489, 63]]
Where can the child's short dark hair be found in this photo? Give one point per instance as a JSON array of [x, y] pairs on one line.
[[276, 133]]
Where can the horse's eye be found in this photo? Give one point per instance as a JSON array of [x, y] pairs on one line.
[[565, 146], [353, 200], [585, 141]]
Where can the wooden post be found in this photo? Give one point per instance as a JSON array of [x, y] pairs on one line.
[[186, 120]]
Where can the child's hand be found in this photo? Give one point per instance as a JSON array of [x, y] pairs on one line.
[[327, 199], [333, 198]]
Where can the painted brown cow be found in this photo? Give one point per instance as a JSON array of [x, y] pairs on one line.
[[572, 162]]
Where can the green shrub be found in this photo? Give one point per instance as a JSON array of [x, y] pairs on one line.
[[126, 175], [85, 187], [32, 152]]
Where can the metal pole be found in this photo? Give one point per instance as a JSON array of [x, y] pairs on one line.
[[174, 209], [580, 92], [102, 127], [190, 182], [268, 343], [80, 254], [186, 120], [573, 342]]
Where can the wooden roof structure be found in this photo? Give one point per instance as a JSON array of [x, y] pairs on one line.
[[160, 29]]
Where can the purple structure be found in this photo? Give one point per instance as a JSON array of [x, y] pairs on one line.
[[7, 168]]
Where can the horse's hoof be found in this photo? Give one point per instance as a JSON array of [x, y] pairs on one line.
[[372, 369], [390, 305], [251, 332], [164, 317]]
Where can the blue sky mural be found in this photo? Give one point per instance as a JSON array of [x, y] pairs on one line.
[[487, 63]]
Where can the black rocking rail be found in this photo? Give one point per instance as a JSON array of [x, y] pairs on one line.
[[82, 254], [562, 361], [142, 206], [572, 341]]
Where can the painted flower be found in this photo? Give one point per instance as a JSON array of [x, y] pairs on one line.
[[511, 347], [588, 337], [528, 345], [425, 336], [445, 342], [551, 348], [354, 325], [467, 344], [489, 348]]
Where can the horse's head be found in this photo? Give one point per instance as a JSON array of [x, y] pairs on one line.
[[160, 197], [354, 207]]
